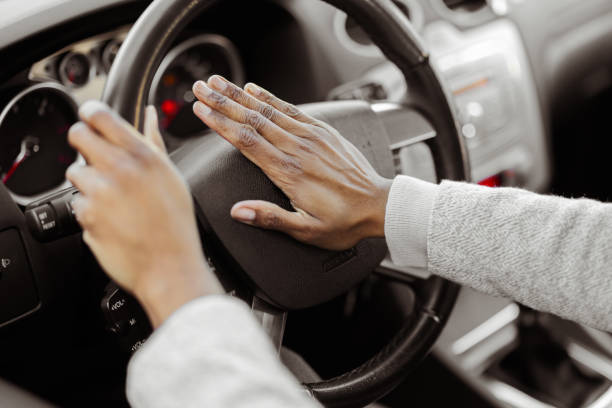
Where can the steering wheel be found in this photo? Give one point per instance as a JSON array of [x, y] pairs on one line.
[[283, 272]]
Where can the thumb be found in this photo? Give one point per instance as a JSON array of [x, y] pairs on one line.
[[270, 216], [151, 129]]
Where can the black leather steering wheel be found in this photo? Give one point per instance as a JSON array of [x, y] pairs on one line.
[[283, 272]]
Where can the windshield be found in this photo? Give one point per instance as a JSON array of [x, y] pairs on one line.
[[14, 10]]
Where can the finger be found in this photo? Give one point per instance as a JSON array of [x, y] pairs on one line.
[[81, 206], [95, 149], [244, 137], [236, 93], [111, 126], [151, 129], [237, 112], [286, 108], [88, 180], [270, 216]]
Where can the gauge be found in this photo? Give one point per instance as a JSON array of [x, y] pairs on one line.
[[75, 69], [34, 149], [109, 53], [195, 59]]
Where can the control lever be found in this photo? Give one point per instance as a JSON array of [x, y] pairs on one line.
[[125, 318], [52, 217]]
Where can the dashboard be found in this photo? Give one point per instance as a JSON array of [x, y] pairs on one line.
[[477, 45], [36, 155], [502, 149]]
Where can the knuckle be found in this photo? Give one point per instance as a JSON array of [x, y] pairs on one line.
[[288, 165], [291, 110], [144, 155], [271, 220], [311, 132], [235, 92], [217, 99], [101, 116], [256, 120], [267, 111], [308, 233], [247, 137], [305, 146], [266, 97]]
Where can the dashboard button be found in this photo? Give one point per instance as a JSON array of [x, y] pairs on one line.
[[42, 222]]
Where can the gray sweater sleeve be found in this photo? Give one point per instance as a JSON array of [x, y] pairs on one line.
[[212, 353], [550, 253]]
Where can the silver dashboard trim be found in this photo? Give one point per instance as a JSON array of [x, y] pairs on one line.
[[495, 323]]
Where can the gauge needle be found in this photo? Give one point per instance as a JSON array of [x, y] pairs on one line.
[[28, 146]]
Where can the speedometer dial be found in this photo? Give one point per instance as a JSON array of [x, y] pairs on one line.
[[195, 59], [34, 150]]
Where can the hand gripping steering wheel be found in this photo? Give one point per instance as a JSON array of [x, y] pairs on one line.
[[283, 272]]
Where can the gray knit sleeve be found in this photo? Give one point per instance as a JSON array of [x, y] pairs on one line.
[[550, 253]]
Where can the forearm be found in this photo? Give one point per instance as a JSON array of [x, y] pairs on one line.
[[549, 253], [211, 353]]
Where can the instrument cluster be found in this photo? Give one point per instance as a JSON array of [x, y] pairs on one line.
[[34, 121]]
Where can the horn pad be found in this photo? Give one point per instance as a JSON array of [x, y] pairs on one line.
[[285, 272]]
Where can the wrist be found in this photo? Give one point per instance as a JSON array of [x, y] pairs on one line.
[[376, 217], [165, 290]]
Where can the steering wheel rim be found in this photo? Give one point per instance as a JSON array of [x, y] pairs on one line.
[[389, 29]]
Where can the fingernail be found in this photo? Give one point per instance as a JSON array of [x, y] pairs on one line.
[[201, 88], [89, 108], [253, 89], [217, 83], [201, 108], [244, 214]]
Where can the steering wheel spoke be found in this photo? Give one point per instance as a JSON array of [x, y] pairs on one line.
[[405, 274], [272, 320], [410, 134]]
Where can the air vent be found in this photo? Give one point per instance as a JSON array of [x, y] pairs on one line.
[[465, 5]]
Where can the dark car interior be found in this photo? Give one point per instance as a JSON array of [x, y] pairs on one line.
[[519, 95]]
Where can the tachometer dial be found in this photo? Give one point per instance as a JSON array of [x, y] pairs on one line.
[[195, 59], [34, 149], [75, 69]]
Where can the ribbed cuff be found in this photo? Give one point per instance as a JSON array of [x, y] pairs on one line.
[[407, 217]]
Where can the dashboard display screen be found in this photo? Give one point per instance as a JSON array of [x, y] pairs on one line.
[[34, 149]]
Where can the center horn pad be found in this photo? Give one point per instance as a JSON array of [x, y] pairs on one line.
[[283, 271]]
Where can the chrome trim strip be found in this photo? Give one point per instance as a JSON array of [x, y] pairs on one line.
[[495, 323], [591, 359], [382, 108], [413, 140], [513, 396], [604, 401]]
